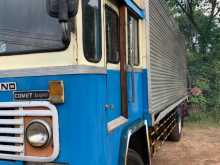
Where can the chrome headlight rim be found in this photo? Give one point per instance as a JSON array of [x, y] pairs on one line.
[[46, 126]]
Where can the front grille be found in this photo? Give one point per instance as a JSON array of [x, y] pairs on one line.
[[12, 129]]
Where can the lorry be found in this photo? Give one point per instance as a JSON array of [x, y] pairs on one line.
[[89, 82]]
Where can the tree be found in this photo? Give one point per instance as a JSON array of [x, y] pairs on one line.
[[202, 16], [199, 20]]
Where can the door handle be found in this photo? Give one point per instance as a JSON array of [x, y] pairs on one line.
[[132, 86], [131, 65], [109, 107], [132, 80]]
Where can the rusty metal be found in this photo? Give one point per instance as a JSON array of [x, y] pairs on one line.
[[123, 72], [161, 125], [160, 133], [162, 142]]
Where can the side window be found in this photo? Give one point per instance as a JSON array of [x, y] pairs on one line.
[[112, 35], [133, 42], [91, 18]]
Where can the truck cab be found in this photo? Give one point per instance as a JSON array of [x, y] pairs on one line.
[[88, 82], [71, 80]]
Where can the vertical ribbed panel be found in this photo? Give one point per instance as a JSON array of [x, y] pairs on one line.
[[11, 132], [167, 58]]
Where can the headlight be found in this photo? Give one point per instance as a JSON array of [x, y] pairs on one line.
[[38, 133]]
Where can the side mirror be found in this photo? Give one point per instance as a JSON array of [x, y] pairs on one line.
[[63, 10], [56, 8]]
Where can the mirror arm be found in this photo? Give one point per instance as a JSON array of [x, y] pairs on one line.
[[63, 19], [66, 33], [63, 11]]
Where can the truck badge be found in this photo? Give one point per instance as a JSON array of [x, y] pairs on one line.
[[8, 86]]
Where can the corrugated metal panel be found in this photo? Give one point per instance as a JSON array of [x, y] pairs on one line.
[[167, 58]]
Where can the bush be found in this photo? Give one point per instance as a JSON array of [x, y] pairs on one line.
[[207, 118], [199, 100]]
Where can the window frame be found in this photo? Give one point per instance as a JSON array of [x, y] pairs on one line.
[[93, 60], [131, 14], [113, 7]]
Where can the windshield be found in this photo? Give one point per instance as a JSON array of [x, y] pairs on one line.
[[26, 27]]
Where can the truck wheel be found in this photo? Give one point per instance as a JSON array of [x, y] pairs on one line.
[[134, 158], [177, 132]]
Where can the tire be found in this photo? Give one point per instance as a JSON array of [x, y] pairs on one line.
[[133, 158], [176, 135]]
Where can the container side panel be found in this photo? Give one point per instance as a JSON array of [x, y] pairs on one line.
[[167, 58]]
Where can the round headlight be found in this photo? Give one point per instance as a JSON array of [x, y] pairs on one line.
[[38, 133]]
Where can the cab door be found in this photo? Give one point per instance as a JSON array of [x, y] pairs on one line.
[[115, 45], [135, 71]]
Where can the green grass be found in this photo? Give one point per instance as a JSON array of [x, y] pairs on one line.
[[203, 119]]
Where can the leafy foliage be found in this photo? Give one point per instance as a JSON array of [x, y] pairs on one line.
[[199, 21], [198, 100]]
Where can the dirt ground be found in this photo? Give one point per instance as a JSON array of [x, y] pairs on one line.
[[198, 146]]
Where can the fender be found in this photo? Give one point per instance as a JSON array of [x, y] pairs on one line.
[[125, 140]]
